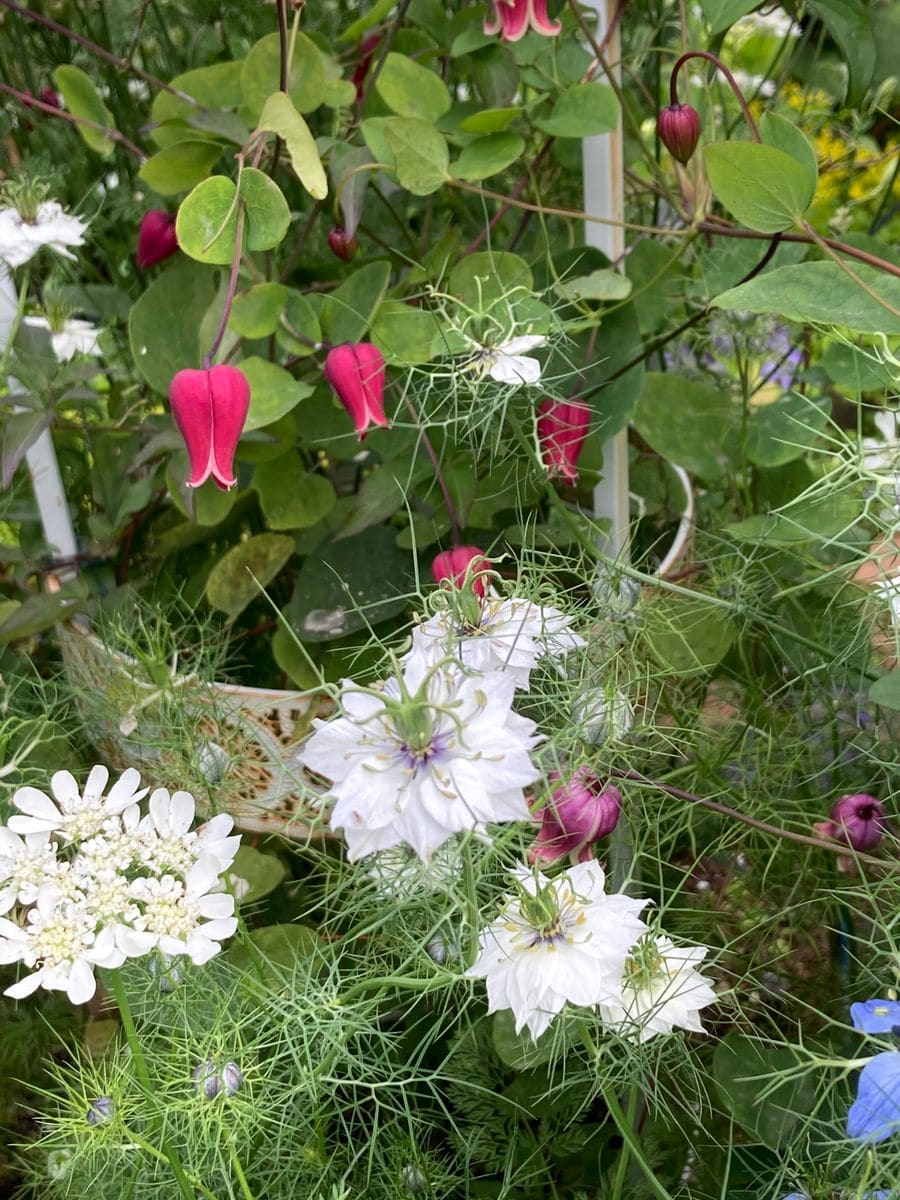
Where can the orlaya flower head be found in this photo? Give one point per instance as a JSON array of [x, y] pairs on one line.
[[210, 408], [579, 813], [433, 753], [181, 916], [461, 567], [513, 18], [72, 813], [662, 990], [167, 842], [875, 1113], [858, 820], [22, 234], [157, 239], [556, 941], [876, 1016], [562, 427], [25, 864], [356, 373]]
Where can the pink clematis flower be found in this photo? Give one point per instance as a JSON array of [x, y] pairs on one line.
[[579, 813], [356, 372], [460, 564], [210, 408], [562, 428], [156, 238], [513, 18]]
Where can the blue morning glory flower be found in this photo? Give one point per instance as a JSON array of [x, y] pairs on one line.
[[876, 1016], [875, 1113]]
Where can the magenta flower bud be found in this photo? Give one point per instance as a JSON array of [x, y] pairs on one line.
[[462, 564], [156, 238], [513, 18], [562, 428], [678, 126], [342, 244], [579, 813], [50, 97], [210, 408], [858, 820], [356, 372]]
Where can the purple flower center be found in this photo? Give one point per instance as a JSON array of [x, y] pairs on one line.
[[414, 757]]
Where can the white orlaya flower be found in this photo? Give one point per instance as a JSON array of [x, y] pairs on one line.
[[60, 944], [26, 864], [178, 916], [510, 636], [661, 990], [557, 940], [169, 844], [21, 239], [509, 362], [415, 767], [75, 814], [73, 337]]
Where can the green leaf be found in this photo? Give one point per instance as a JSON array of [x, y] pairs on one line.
[[83, 100], [582, 110], [490, 120], [237, 577], [419, 152], [722, 14], [181, 166], [292, 497], [301, 317], [338, 93], [886, 691], [268, 215], [349, 309], [273, 392], [779, 432], [216, 87], [764, 188], [744, 1069], [488, 155], [379, 10], [686, 637], [482, 278], [206, 224], [784, 135], [820, 521], [382, 494], [163, 328], [689, 423], [850, 24], [279, 116], [37, 613], [255, 313], [604, 284], [261, 69], [275, 950], [404, 334], [519, 1050], [821, 293], [411, 90], [345, 586], [253, 874], [292, 659]]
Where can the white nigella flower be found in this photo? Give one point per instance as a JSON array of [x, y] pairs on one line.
[[661, 990], [167, 842], [21, 238], [509, 362], [181, 916], [60, 944], [433, 754], [72, 337], [25, 865], [557, 940], [497, 635], [75, 814]]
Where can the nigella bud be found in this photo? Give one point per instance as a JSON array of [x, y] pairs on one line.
[[602, 716], [206, 1079], [232, 1078], [342, 244], [356, 373], [461, 565], [414, 1179], [101, 1110], [858, 820], [157, 239], [678, 126], [210, 408], [579, 813]]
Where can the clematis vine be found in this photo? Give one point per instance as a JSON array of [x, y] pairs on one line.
[[210, 408], [562, 428], [356, 373], [512, 19]]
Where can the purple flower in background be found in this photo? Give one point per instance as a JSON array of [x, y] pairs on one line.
[[875, 1113], [876, 1016]]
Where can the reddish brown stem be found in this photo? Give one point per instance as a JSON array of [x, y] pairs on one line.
[[732, 83], [52, 111]]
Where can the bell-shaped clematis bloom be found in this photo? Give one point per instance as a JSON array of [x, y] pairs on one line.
[[512, 19], [562, 428], [157, 240], [210, 408], [356, 372], [579, 813], [460, 565]]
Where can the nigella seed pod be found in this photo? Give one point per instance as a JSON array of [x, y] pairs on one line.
[[414, 1179], [859, 820], [101, 1110], [342, 244], [678, 126]]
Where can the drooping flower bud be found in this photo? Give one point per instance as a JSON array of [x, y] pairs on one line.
[[579, 813], [157, 239], [562, 428], [462, 565], [367, 48], [356, 372], [342, 244], [512, 19], [678, 126], [859, 821], [210, 408], [101, 1110]]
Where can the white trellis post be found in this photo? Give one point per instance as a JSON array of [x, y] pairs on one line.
[[604, 196]]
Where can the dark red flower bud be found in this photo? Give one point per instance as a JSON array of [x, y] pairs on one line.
[[678, 126], [342, 245], [367, 49], [858, 820], [50, 97], [156, 238]]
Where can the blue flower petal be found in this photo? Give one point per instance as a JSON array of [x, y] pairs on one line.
[[875, 1114], [876, 1016]]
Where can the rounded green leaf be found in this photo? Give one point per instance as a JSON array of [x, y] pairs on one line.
[[180, 166], [268, 215], [411, 90], [252, 564], [762, 187], [273, 951], [261, 71], [488, 155], [83, 100], [686, 637], [582, 110], [349, 309], [490, 120], [255, 313], [689, 423], [164, 322], [419, 152], [481, 279], [784, 135], [273, 392], [206, 224], [217, 87], [292, 497], [404, 334], [253, 874], [298, 327], [281, 117]]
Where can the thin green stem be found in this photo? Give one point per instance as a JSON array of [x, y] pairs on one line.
[[625, 1152], [239, 1172]]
